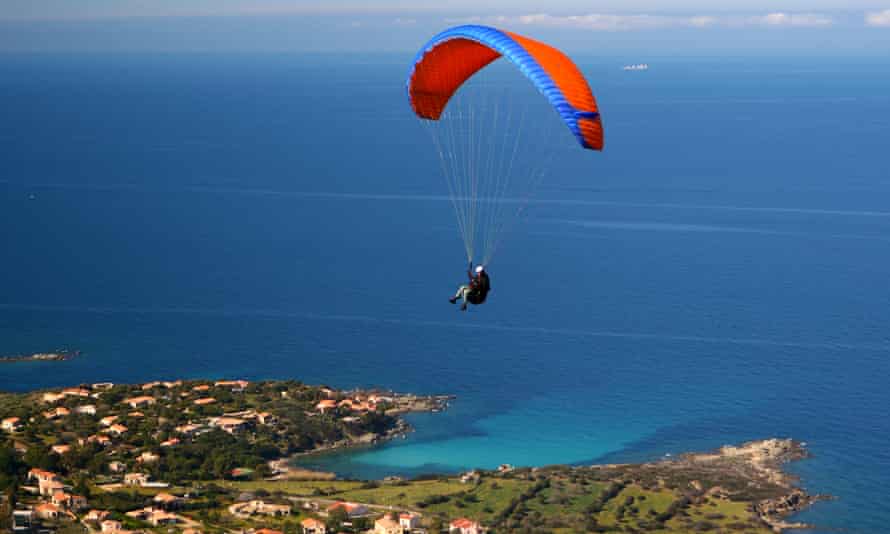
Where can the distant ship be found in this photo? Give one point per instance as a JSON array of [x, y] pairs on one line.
[[638, 66]]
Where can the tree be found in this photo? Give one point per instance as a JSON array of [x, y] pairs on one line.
[[336, 518]]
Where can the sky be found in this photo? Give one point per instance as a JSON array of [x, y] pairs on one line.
[[852, 27]]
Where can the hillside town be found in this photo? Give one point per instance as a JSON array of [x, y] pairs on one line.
[[132, 458]]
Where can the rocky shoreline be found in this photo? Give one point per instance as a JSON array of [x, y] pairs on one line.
[[761, 463]]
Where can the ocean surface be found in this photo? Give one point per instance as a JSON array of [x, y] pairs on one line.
[[718, 274]]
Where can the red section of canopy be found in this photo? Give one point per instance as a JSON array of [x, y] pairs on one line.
[[443, 70]]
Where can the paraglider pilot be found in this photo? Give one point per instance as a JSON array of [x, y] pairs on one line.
[[476, 291]]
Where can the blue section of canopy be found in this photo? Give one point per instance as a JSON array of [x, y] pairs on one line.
[[506, 46]]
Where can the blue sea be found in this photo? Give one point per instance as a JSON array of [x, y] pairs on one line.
[[718, 274]]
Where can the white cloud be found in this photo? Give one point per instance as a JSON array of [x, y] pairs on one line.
[[607, 22], [878, 18], [800, 20], [615, 22], [702, 21]]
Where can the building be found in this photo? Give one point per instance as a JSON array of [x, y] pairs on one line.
[[148, 457], [60, 498], [236, 385], [67, 501], [55, 413], [167, 501], [61, 449], [135, 479], [313, 526], [76, 392], [267, 531], [326, 405], [154, 516], [409, 521], [136, 402], [385, 525], [470, 476], [96, 515], [11, 424], [352, 509], [86, 409], [465, 526], [108, 421], [256, 507], [22, 521], [117, 429], [117, 467], [47, 510], [52, 398], [41, 476], [110, 525], [48, 487], [99, 439], [228, 424], [204, 401], [170, 442]]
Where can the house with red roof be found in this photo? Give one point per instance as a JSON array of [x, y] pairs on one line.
[[326, 404], [409, 521], [352, 509], [117, 429], [465, 526], [55, 413], [313, 526], [11, 424], [47, 511]]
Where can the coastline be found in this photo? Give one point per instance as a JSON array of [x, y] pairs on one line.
[[755, 468]]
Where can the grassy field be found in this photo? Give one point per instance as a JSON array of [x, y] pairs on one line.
[[555, 499]]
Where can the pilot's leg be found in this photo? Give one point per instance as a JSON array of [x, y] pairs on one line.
[[461, 294]]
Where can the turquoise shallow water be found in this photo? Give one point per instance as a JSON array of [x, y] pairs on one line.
[[716, 275]]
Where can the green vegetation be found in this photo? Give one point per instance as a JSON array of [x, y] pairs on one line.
[[559, 500], [202, 448]]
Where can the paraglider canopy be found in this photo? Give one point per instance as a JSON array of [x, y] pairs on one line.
[[456, 54]]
